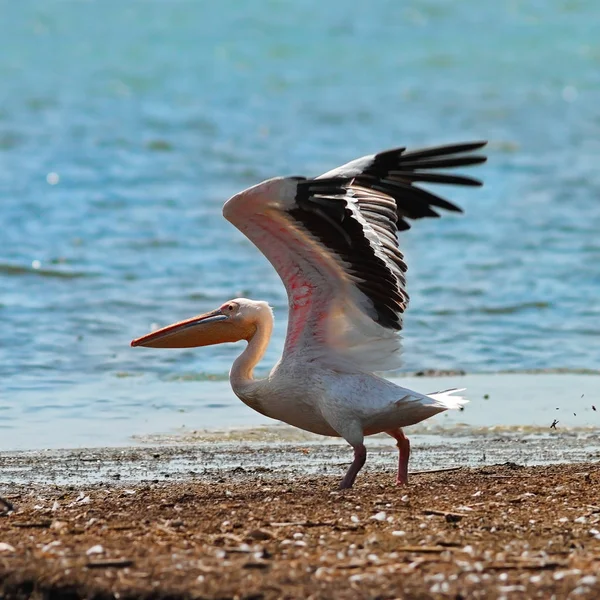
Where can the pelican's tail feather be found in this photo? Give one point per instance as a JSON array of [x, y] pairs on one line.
[[446, 400]]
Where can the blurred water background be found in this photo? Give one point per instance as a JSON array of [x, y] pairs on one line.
[[125, 126]]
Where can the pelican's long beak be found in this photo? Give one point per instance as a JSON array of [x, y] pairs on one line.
[[204, 330]]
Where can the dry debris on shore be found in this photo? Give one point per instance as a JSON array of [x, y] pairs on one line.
[[492, 532]]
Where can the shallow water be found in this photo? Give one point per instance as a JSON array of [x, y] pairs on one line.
[[123, 130], [207, 411]]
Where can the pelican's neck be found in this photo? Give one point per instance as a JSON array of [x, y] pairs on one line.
[[242, 371]]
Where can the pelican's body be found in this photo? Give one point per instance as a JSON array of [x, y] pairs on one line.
[[333, 241], [307, 395]]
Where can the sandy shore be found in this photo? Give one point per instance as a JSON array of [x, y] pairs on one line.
[[252, 520]]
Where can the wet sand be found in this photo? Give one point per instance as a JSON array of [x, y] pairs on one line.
[[258, 520], [280, 451]]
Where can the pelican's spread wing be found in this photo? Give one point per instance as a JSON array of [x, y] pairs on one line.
[[333, 241]]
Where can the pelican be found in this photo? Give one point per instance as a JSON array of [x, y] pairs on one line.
[[333, 241]]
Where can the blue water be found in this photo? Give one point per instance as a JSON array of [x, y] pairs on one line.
[[125, 126]]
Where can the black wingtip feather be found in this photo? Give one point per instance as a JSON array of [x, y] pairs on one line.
[[444, 163], [426, 177], [444, 150]]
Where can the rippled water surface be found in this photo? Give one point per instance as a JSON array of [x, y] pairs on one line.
[[124, 127]]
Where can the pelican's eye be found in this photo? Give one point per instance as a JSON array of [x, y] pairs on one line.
[[230, 308]]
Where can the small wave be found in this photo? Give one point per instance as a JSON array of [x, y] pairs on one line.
[[549, 371], [16, 270], [492, 310], [514, 308], [432, 290], [126, 374], [399, 373], [159, 145], [198, 296], [9, 141], [198, 377], [153, 243]]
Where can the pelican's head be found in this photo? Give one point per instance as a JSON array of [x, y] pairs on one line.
[[233, 321]]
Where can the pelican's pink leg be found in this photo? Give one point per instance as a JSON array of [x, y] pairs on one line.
[[403, 445], [360, 456]]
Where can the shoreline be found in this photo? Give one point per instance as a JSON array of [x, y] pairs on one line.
[[282, 451]]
